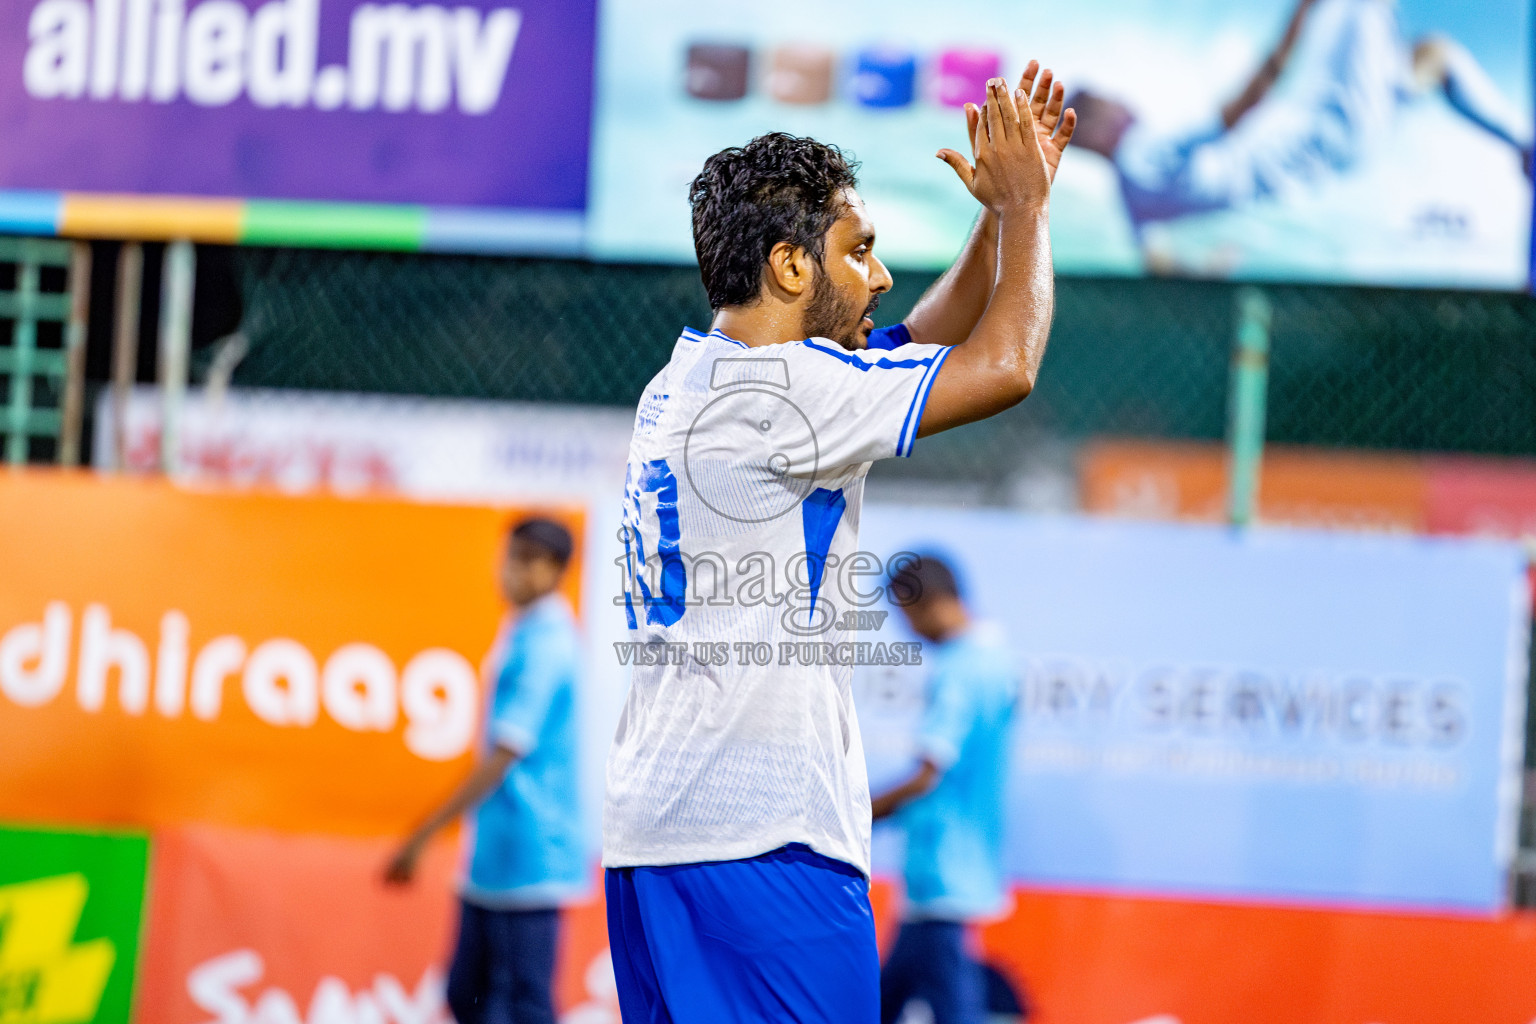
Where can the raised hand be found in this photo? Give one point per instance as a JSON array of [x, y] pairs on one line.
[[1053, 129], [1016, 142]]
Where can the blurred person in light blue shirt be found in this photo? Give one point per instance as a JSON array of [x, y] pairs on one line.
[[951, 807], [527, 856]]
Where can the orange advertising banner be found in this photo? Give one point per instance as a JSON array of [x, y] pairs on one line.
[[253, 927], [1093, 959], [1298, 487], [301, 664], [258, 926], [249, 927], [1483, 497]]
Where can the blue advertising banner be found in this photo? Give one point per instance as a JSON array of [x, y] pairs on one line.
[[1316, 140], [1326, 718]]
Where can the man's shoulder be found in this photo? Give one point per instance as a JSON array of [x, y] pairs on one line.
[[822, 367], [732, 362], [689, 369], [885, 357]]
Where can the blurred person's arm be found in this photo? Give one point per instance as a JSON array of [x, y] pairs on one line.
[[524, 688], [487, 775], [951, 307], [920, 784], [1269, 72], [947, 721]]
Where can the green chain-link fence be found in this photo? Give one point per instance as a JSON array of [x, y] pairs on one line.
[[1368, 367]]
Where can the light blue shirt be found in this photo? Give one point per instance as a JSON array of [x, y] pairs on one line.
[[955, 832], [528, 850]]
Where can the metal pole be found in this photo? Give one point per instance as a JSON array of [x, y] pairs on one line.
[[74, 347], [175, 347], [1245, 410], [125, 346]]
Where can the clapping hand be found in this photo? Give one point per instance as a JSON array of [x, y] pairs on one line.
[[1016, 142]]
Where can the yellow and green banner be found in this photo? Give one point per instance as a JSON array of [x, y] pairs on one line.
[[70, 908]]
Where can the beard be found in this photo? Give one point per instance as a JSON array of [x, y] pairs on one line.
[[832, 315]]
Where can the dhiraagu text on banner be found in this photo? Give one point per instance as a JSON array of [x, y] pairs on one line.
[[315, 658]]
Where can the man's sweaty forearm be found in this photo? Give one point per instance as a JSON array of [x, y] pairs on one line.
[[952, 305], [995, 368], [1026, 287]]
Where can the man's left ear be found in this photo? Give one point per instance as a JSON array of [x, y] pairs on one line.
[[805, 268], [791, 268]]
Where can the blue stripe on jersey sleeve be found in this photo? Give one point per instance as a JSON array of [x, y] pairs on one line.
[[693, 335], [914, 420], [894, 336], [717, 333], [867, 365]]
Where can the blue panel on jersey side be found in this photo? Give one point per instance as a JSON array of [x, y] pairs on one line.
[[630, 532], [820, 513], [664, 610], [890, 337], [629, 604]]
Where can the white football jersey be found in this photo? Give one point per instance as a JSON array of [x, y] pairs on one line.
[[741, 520]]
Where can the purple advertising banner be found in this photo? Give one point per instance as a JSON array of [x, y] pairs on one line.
[[482, 103]]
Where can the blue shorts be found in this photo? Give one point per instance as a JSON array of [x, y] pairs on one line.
[[783, 938]]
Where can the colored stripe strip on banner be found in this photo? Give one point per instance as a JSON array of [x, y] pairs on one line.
[[347, 225], [506, 232], [153, 219], [30, 213], [271, 222]]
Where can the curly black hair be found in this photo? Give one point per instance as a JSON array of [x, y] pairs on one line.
[[747, 199]]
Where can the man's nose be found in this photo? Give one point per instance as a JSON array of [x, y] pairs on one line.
[[881, 281]]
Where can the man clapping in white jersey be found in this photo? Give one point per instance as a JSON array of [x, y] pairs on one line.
[[737, 820]]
